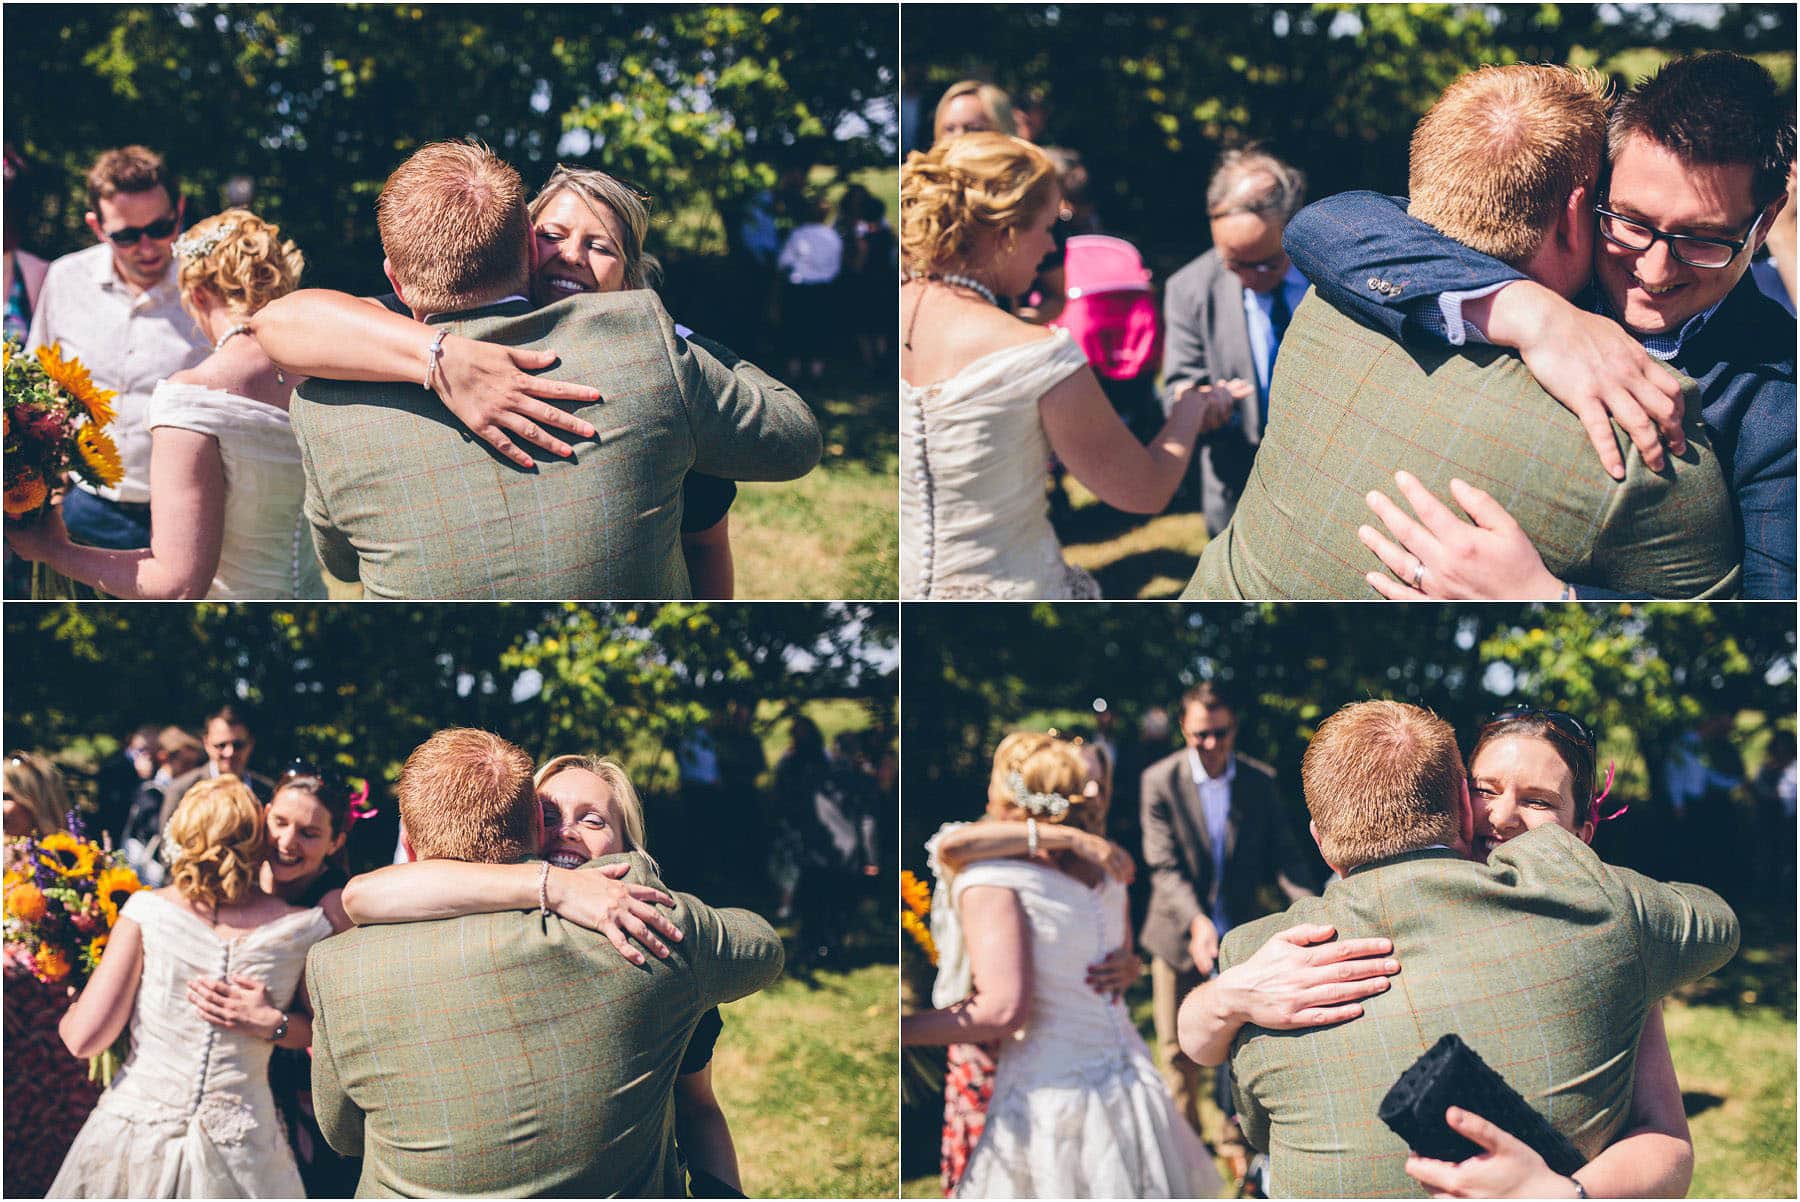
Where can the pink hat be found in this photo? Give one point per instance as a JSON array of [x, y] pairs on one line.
[[1099, 263]]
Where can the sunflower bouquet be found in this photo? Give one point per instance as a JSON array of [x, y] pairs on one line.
[[63, 895], [56, 421]]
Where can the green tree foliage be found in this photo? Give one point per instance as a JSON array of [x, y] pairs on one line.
[[1149, 94], [316, 103], [1640, 674], [362, 686]]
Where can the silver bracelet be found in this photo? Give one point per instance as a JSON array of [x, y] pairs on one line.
[[1580, 1189], [1031, 842], [544, 889], [1568, 594], [432, 356]]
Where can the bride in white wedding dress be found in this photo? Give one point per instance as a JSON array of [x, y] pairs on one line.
[[985, 398], [190, 1114], [1078, 1110]]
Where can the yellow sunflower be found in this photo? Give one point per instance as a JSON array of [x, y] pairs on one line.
[[100, 455], [73, 378], [114, 885], [25, 496], [915, 893], [25, 903], [97, 948], [67, 856], [921, 934]]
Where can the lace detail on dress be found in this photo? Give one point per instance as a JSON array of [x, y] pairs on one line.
[[226, 1118]]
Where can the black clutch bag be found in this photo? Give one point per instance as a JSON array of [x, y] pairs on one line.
[[1452, 1074]]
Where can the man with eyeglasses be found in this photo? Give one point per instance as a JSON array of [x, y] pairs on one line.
[[1217, 845], [228, 743], [1226, 314], [117, 308], [1698, 158]]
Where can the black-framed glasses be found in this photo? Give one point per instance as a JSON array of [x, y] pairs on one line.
[[162, 227], [1560, 721], [1695, 251]]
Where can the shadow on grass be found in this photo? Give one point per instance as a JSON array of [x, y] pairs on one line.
[[1761, 974], [858, 413], [1131, 575], [1695, 1101]]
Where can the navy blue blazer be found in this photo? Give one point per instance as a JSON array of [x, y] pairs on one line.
[[1367, 256]]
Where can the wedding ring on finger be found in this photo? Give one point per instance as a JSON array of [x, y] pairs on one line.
[[1417, 579]]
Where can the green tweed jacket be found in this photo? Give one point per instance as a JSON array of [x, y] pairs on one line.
[[1351, 406], [1544, 960], [407, 503], [513, 1055]]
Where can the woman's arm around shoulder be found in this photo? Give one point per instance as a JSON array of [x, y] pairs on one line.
[[998, 936]]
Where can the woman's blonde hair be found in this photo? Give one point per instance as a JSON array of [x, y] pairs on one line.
[[994, 102], [631, 807], [973, 185], [37, 784], [238, 257], [1042, 764], [217, 841], [598, 188]]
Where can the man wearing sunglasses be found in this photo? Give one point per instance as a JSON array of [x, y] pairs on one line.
[[117, 308], [1696, 173]]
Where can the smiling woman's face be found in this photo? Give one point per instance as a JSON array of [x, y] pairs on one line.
[[1518, 783], [300, 835], [580, 248], [581, 818]]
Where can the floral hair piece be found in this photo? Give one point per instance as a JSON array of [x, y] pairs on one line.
[[1038, 805], [197, 246], [1601, 796]]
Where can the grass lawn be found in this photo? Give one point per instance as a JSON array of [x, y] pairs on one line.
[[835, 532], [805, 1073], [1131, 555]]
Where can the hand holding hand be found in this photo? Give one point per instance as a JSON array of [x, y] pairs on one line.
[[1298, 979], [236, 1003], [597, 899], [1487, 561], [1593, 367], [1506, 1168], [1203, 943], [1115, 974], [487, 387]]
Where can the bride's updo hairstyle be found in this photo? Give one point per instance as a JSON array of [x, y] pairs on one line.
[[216, 841], [1032, 771], [240, 257], [966, 187]]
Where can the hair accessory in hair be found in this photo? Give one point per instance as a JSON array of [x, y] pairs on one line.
[[197, 246], [1601, 796], [1038, 805], [359, 807]]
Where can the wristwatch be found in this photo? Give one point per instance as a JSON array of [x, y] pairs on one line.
[[280, 1030]]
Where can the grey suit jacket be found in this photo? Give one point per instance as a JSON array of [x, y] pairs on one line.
[[407, 503], [1178, 851], [1206, 339], [508, 1054], [1545, 960]]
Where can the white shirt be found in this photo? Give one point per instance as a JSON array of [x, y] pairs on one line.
[[1215, 808], [1257, 306], [128, 341], [812, 255]]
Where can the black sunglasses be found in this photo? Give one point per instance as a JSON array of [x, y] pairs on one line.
[[162, 227], [1560, 721]]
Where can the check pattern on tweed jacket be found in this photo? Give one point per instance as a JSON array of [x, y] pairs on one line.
[[1351, 406], [513, 1054], [405, 502], [1545, 960]]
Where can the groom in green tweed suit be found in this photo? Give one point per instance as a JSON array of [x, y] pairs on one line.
[[512, 1054], [1544, 960], [1506, 162], [405, 503]]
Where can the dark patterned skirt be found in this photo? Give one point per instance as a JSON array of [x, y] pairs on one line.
[[48, 1095], [968, 1088]]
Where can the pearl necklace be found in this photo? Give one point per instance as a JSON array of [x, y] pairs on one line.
[[242, 327], [973, 285]]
